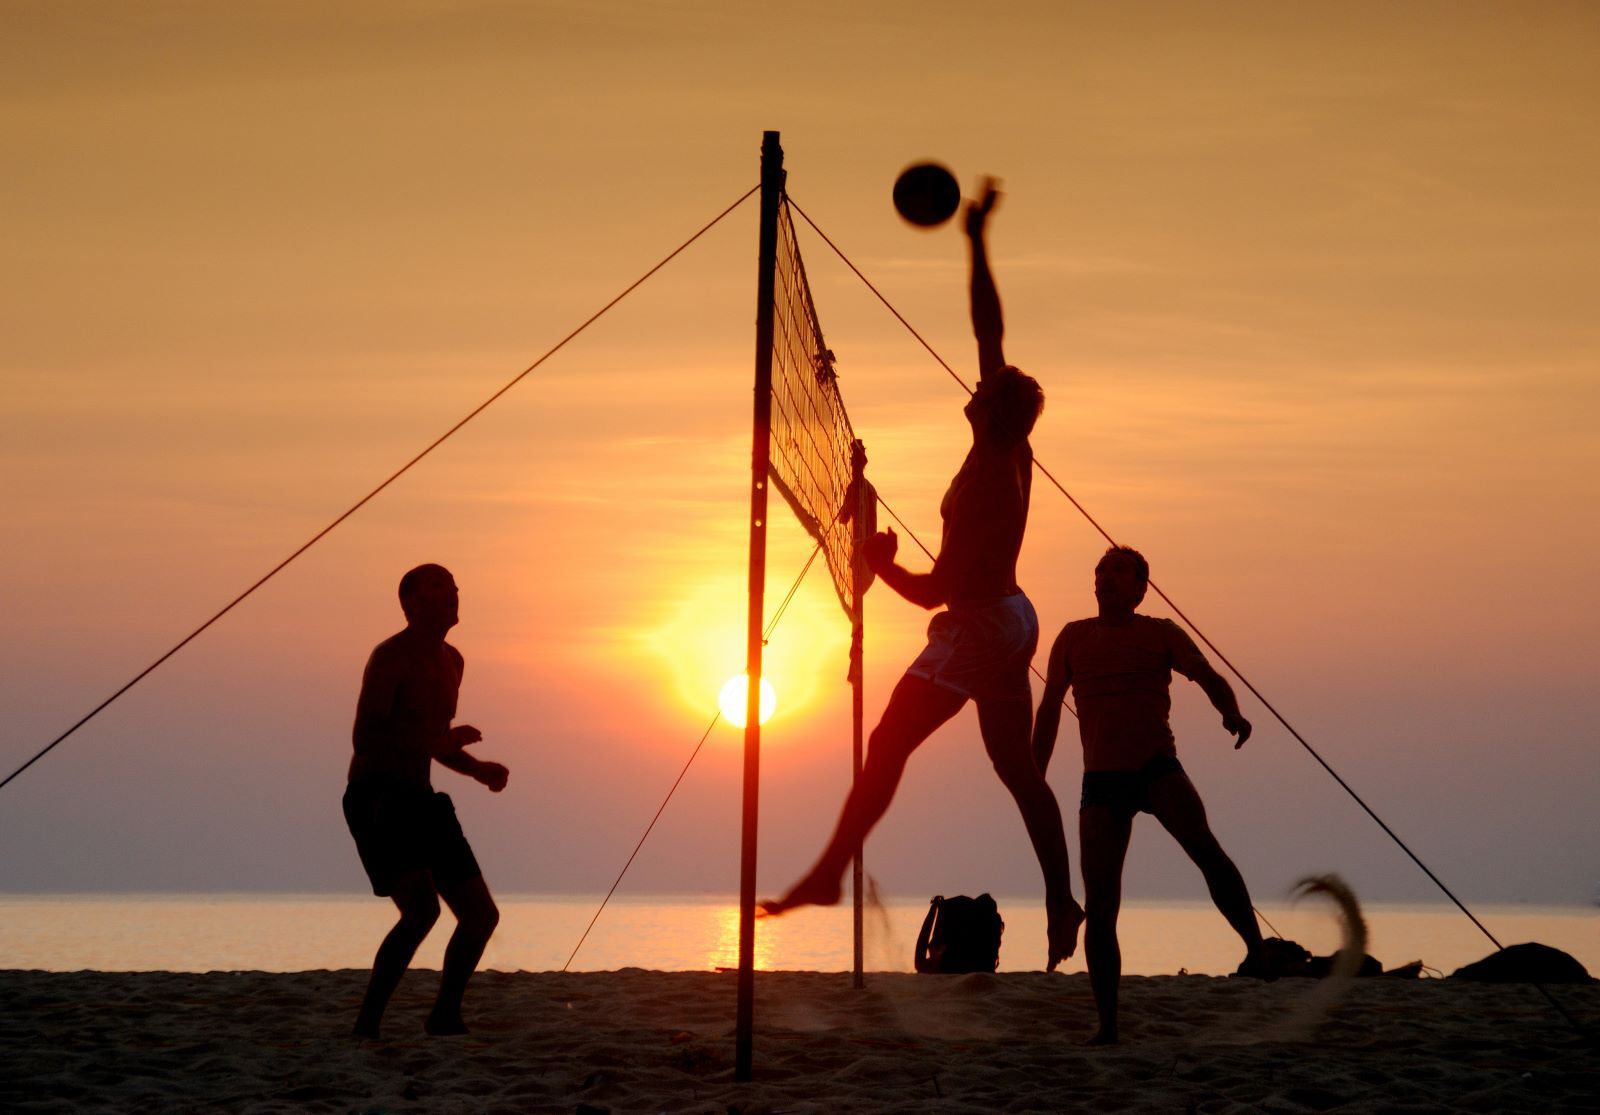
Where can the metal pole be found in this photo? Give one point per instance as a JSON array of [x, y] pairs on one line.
[[859, 521], [771, 194]]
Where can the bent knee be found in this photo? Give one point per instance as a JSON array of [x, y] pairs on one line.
[[481, 917], [421, 918], [1018, 773]]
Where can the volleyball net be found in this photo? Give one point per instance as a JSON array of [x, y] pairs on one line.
[[817, 464], [807, 449], [802, 444]]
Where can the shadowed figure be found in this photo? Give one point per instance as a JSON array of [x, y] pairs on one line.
[[980, 647], [407, 835], [1120, 665]]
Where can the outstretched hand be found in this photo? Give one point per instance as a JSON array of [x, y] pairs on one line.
[[463, 734], [1239, 726], [978, 211], [492, 775], [880, 551]]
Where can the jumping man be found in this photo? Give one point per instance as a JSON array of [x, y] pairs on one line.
[[1120, 665], [980, 647], [410, 842]]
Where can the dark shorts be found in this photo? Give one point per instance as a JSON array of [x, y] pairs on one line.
[[1126, 792], [400, 829]]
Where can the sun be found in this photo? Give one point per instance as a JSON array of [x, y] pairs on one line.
[[735, 695], [698, 639]]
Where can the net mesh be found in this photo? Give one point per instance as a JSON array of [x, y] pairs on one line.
[[812, 440]]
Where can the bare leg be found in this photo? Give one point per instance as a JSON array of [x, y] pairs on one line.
[[916, 708], [476, 916], [1103, 835], [1177, 806], [1007, 727], [419, 909]]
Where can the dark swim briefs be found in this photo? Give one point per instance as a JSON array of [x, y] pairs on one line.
[[401, 828], [1127, 791]]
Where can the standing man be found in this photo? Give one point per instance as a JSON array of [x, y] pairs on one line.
[[1120, 665], [979, 648], [409, 839]]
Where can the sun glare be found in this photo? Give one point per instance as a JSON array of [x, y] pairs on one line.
[[735, 695], [698, 642]]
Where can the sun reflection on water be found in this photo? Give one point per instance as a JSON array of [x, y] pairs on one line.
[[289, 933], [725, 945]]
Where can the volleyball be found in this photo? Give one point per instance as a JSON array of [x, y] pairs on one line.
[[926, 194]]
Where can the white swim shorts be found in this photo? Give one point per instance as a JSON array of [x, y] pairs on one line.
[[982, 650]]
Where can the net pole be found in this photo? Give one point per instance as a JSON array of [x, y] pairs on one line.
[[760, 463], [858, 522]]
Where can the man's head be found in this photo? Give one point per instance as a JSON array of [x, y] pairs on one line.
[[1120, 579], [429, 597], [1008, 403]]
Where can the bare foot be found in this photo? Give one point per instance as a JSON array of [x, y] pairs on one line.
[[1063, 932], [444, 1025], [810, 891], [367, 1031], [1103, 1036]]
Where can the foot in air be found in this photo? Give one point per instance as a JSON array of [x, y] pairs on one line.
[[810, 891]]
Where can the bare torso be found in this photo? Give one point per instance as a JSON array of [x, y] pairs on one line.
[[408, 699], [985, 513]]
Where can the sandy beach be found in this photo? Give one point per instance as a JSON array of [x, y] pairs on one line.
[[636, 1040]]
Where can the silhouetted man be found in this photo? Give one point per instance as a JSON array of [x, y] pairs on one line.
[[1120, 665], [979, 648], [410, 841]]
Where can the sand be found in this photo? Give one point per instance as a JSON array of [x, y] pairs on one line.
[[643, 1041]]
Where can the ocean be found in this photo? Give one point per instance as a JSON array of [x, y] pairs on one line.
[[297, 932]]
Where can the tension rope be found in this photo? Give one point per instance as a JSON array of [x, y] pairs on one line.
[[364, 500], [1201, 635], [911, 534], [1158, 591], [452, 430], [1036, 672], [766, 637]]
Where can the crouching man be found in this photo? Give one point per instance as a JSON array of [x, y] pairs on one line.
[[407, 835]]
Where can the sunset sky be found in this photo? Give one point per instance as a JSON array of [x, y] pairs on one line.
[[1311, 289]]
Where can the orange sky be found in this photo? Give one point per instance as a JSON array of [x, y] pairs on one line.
[[1310, 289]]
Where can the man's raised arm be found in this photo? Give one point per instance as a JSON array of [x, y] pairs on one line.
[[987, 323]]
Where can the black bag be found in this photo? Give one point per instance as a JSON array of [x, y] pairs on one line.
[[960, 934], [1526, 963]]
